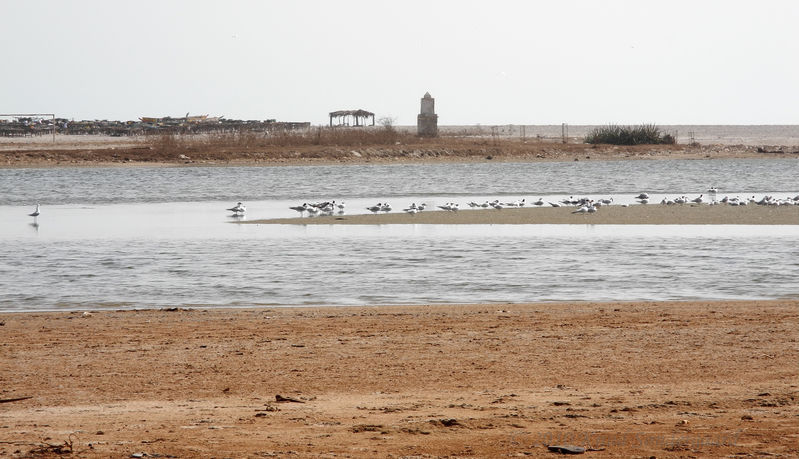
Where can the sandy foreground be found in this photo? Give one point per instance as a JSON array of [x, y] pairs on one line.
[[651, 214], [639, 379]]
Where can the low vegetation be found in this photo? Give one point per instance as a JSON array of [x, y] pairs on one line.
[[318, 136], [645, 134]]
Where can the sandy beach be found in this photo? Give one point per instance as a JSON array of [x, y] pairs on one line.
[[652, 214], [641, 379]]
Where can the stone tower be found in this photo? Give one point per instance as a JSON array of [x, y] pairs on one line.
[[427, 121]]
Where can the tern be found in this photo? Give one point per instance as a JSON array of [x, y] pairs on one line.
[[300, 209], [238, 208], [36, 211]]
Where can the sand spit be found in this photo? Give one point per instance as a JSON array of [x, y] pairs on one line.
[[640, 379], [656, 214]]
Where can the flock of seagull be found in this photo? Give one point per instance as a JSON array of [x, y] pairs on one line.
[[320, 208], [583, 205]]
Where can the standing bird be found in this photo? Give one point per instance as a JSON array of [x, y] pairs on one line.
[[35, 212], [301, 209], [238, 208]]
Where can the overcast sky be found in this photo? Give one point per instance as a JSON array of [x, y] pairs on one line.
[[485, 62]]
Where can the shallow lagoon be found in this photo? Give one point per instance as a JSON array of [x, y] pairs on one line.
[[156, 237]]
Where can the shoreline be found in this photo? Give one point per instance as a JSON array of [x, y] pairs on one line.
[[116, 152], [703, 378], [650, 214]]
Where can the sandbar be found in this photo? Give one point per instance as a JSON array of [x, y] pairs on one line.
[[651, 214]]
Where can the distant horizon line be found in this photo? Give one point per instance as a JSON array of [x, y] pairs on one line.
[[42, 115]]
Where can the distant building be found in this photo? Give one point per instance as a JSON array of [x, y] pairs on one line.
[[427, 121]]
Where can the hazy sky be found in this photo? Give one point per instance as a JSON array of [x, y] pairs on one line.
[[486, 62]]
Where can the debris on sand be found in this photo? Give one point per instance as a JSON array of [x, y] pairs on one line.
[[281, 399]]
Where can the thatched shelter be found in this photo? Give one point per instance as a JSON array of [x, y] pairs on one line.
[[351, 117]]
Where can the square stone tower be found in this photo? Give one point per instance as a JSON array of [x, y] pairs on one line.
[[427, 121]]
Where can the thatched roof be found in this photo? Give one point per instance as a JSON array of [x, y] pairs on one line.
[[358, 112]]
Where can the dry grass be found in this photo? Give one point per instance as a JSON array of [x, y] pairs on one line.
[[249, 140]]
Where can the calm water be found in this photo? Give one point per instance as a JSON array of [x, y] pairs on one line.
[[135, 185], [153, 237]]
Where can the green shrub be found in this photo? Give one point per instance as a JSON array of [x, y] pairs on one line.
[[629, 135]]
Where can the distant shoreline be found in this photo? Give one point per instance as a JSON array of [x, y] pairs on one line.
[[470, 145]]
